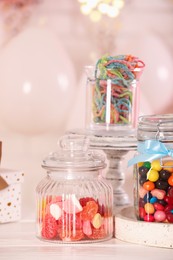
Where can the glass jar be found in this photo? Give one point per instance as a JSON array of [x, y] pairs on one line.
[[74, 201], [112, 101], [153, 169]]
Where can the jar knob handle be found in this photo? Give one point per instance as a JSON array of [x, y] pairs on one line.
[[74, 143]]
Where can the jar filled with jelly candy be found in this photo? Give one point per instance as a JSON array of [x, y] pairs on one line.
[[74, 201], [153, 169], [112, 98]]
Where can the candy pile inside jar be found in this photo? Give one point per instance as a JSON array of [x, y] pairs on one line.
[[155, 191], [123, 71], [69, 219]]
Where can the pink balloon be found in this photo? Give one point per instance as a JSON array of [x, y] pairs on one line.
[[37, 83], [156, 81]]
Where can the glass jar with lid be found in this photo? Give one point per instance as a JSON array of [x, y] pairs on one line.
[[74, 201], [153, 169]]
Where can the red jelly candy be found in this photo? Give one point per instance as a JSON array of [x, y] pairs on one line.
[[158, 206], [97, 233], [70, 235], [83, 201], [70, 221], [49, 228], [168, 209], [89, 210], [170, 192], [149, 218], [169, 217], [142, 213], [168, 200]]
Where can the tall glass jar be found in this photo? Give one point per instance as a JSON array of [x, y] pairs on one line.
[[112, 101], [74, 201], [153, 169]]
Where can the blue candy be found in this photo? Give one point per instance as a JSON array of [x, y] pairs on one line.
[[153, 200]]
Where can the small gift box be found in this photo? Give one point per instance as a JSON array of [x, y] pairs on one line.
[[10, 195]]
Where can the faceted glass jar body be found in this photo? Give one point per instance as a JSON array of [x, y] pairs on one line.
[[153, 169], [110, 103], [74, 203]]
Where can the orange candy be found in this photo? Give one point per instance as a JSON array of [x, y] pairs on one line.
[[170, 166], [170, 180], [89, 210], [148, 185]]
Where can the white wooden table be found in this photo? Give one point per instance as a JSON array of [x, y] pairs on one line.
[[18, 241]]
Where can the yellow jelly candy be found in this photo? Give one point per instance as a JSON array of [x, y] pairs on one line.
[[153, 175], [97, 221], [155, 165], [149, 208], [140, 164]]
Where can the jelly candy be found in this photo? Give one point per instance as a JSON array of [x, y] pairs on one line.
[[72, 205], [89, 210], [87, 227], [55, 211], [49, 229], [70, 235], [98, 233], [97, 221]]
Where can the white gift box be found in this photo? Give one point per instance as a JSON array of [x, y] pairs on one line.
[[10, 195]]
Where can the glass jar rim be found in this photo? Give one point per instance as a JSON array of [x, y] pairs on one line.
[[160, 126]]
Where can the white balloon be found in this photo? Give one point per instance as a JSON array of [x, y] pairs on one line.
[[37, 82]]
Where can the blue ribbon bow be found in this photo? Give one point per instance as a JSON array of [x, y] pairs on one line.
[[150, 150]]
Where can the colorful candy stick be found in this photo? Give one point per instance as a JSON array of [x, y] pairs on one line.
[[122, 70]]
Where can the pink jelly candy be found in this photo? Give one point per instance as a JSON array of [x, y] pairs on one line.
[[72, 205]]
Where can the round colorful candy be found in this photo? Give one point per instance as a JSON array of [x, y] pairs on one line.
[[147, 165], [149, 185], [143, 171], [162, 185], [170, 180], [153, 200], [169, 209], [142, 213], [153, 175], [158, 206], [164, 175], [160, 194], [169, 217], [170, 191], [142, 179], [159, 216], [168, 166], [149, 218], [169, 200], [155, 165], [149, 208]]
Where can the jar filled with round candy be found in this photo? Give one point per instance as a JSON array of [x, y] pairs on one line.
[[153, 169], [113, 92], [74, 201]]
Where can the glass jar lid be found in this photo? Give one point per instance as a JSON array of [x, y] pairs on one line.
[[159, 127], [73, 153]]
